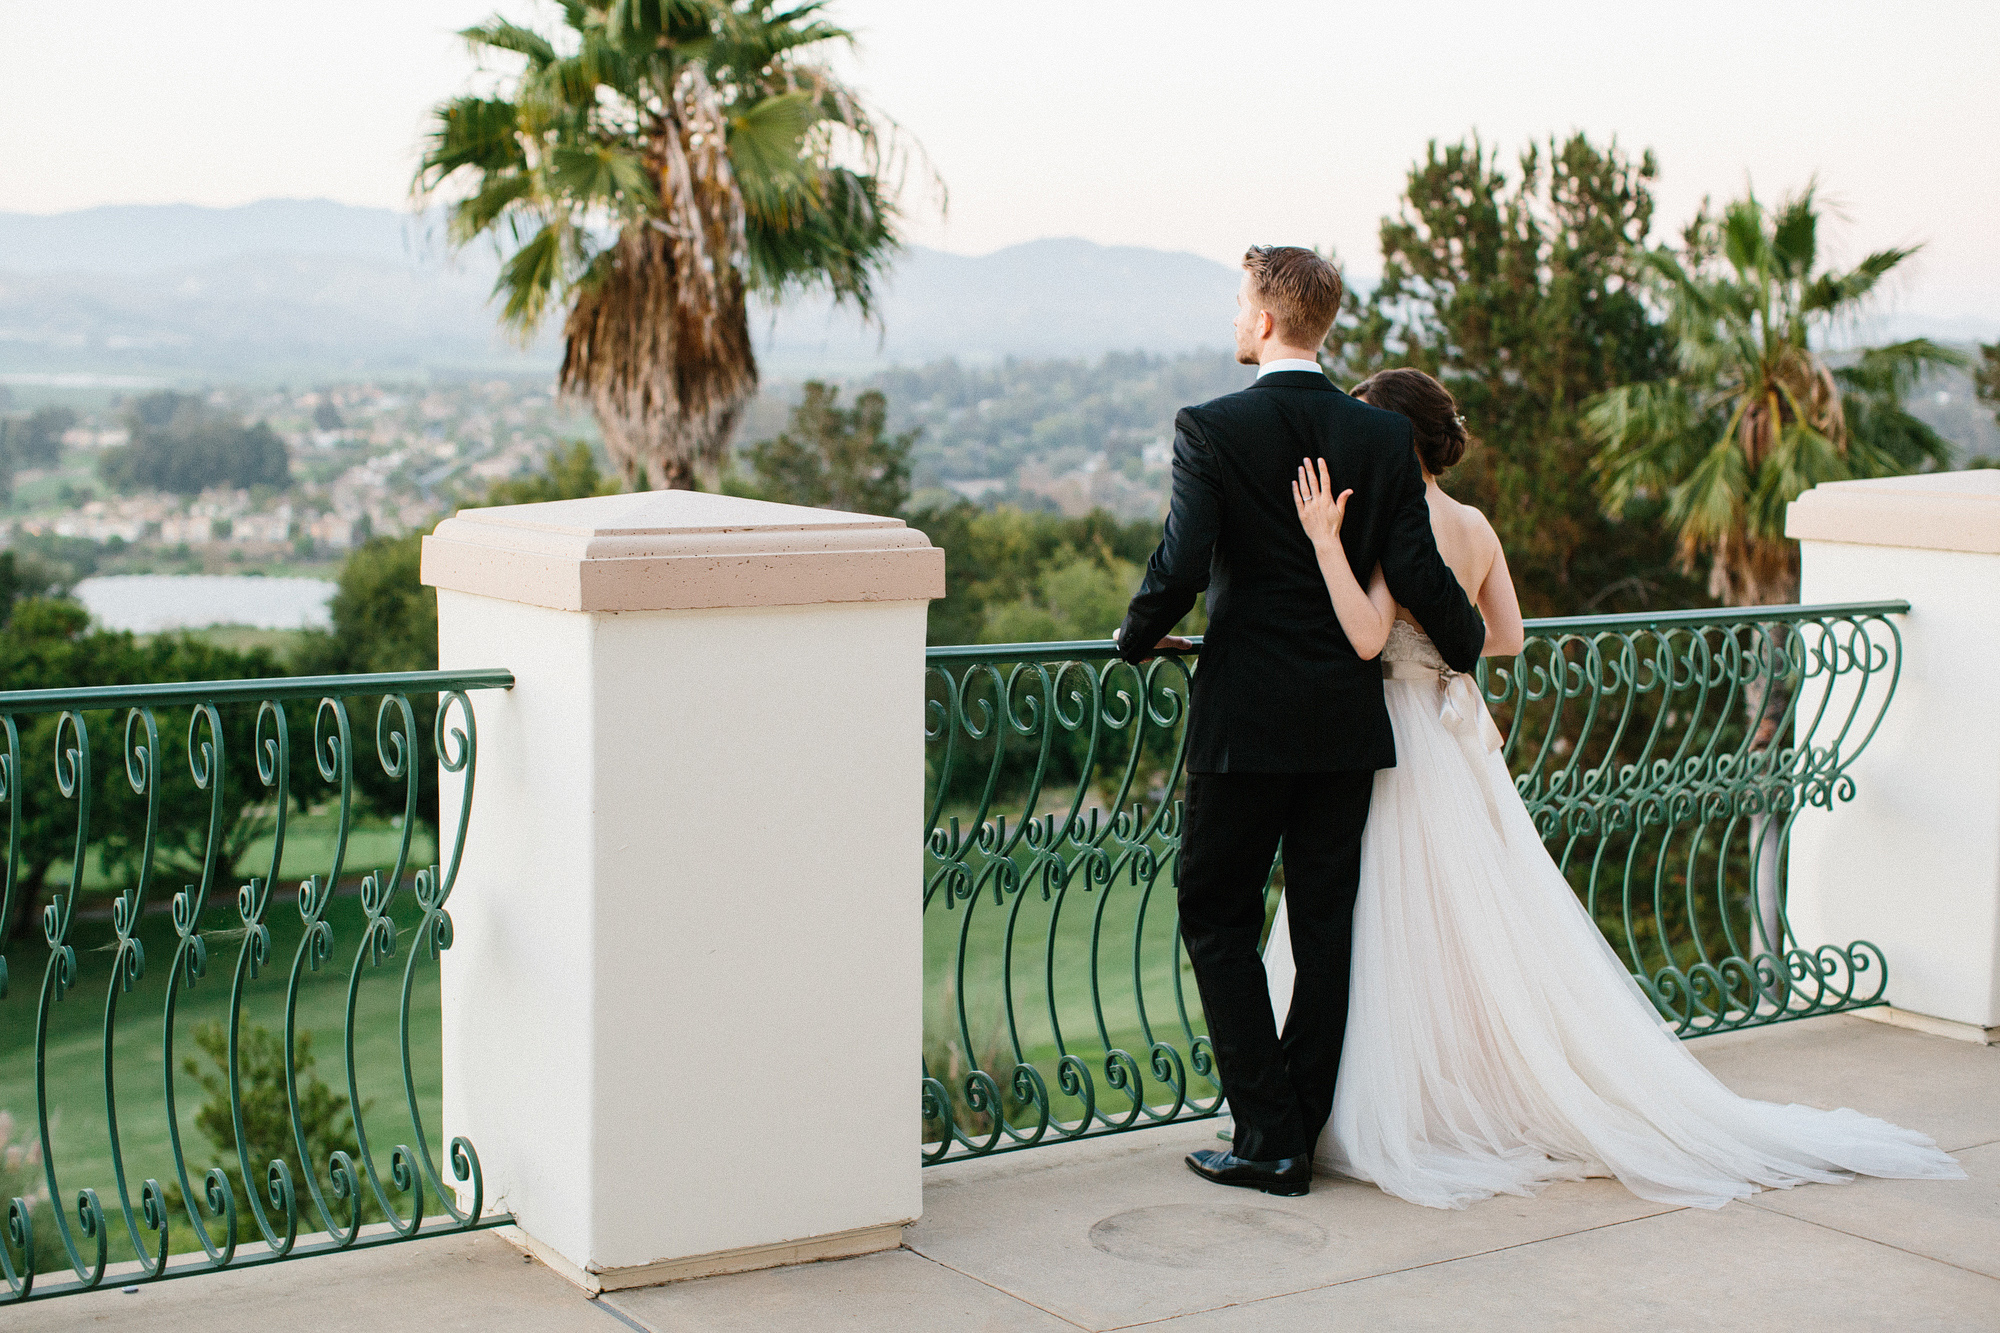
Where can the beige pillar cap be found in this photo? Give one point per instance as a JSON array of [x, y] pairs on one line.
[[1934, 511], [673, 550]]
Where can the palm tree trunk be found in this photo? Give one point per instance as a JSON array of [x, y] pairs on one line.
[[667, 389]]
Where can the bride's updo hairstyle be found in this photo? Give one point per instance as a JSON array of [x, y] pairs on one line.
[[1440, 430]]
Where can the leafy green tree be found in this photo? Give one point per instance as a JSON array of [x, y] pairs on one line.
[[44, 565], [38, 442], [183, 445], [384, 618], [651, 164], [48, 644], [31, 441], [1000, 565], [833, 457], [1521, 294], [1752, 415], [1076, 596], [324, 1115], [34, 440], [567, 474]]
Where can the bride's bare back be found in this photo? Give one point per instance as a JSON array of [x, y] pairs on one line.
[[1465, 539], [1470, 546]]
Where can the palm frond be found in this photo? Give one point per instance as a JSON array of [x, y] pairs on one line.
[[1795, 235], [1895, 370], [476, 132], [637, 24], [1831, 291], [1800, 459], [766, 143], [1649, 435], [1744, 244], [752, 37], [1708, 503], [1885, 440], [842, 244], [471, 216], [502, 35], [531, 279], [602, 176], [1756, 416], [1986, 374]]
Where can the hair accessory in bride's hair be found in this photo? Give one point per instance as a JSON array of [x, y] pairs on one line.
[[1437, 428]]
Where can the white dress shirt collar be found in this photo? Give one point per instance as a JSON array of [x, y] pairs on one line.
[[1289, 363]]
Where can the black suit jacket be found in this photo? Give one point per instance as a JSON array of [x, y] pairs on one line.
[[1279, 688]]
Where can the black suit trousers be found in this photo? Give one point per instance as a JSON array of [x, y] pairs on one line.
[[1280, 1087]]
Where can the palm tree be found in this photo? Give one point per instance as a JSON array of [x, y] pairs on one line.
[[1755, 415], [652, 165]]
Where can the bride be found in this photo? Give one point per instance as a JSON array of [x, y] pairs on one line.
[[1494, 1040]]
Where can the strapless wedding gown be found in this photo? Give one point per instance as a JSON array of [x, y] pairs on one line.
[[1494, 1040]]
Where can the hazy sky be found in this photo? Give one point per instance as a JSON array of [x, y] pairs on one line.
[[1182, 126]]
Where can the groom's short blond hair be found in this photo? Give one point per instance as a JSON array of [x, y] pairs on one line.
[[1301, 290]]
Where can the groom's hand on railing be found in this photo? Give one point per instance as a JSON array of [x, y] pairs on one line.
[[1172, 643]]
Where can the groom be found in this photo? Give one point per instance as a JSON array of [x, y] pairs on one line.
[[1286, 726]]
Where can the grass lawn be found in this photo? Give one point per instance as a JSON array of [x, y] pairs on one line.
[[1099, 951], [75, 1045], [309, 838], [1104, 954]]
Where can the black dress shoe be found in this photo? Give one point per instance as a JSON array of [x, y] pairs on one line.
[[1288, 1176]]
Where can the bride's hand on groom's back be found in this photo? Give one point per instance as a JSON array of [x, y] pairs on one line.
[[1320, 510]]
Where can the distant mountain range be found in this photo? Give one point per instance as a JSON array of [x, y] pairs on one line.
[[308, 289]]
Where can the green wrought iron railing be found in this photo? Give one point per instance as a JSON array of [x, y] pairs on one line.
[[297, 1166], [1664, 757]]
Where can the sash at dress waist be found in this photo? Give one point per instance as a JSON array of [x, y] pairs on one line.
[[1463, 712]]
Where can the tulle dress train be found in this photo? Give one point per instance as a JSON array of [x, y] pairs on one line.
[[1495, 1042]]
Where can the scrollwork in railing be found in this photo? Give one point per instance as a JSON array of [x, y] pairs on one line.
[[274, 755], [395, 727], [128, 965], [1050, 826], [256, 1208], [58, 978], [190, 965], [1664, 758], [433, 936]]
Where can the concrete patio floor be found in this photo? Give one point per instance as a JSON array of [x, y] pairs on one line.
[[1114, 1234]]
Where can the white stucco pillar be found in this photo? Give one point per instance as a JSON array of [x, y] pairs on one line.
[[682, 1014], [1913, 862]]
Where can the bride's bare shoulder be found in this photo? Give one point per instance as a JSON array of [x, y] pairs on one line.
[[1466, 521], [1465, 539], [1478, 524]]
